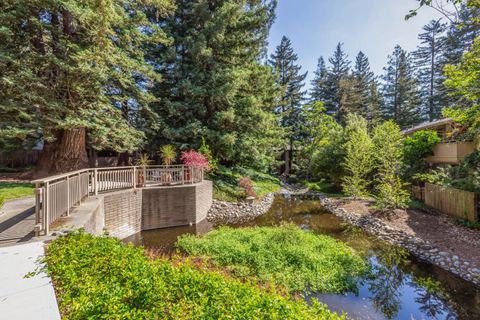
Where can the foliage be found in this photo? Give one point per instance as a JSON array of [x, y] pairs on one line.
[[289, 108], [101, 278], [324, 150], [225, 183], [2, 200], [359, 158], [245, 183], [288, 256], [14, 190], [468, 224], [143, 160], [195, 159], [323, 186], [463, 79], [77, 66], [429, 58], [168, 154], [205, 150], [400, 89], [415, 148], [388, 149], [214, 85]]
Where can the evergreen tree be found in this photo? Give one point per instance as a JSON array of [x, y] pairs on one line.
[[428, 60], [214, 84], [400, 89], [289, 109], [368, 102], [68, 67], [338, 71], [318, 90]]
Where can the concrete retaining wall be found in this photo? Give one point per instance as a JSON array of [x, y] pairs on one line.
[[123, 212]]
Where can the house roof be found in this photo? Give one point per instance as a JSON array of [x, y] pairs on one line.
[[428, 125]]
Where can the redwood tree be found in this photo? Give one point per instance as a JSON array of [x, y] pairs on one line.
[[70, 69]]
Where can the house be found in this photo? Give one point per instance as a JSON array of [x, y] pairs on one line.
[[450, 150]]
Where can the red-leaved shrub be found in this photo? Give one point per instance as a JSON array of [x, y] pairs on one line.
[[245, 183], [195, 159]]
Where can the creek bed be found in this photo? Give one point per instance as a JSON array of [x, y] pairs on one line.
[[399, 287]]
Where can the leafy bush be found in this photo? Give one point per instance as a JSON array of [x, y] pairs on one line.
[[2, 201], [101, 278], [388, 141], [246, 185], [287, 256], [416, 148], [195, 159], [205, 150], [168, 154], [359, 157]]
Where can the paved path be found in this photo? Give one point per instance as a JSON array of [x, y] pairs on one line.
[[20, 297], [17, 221]]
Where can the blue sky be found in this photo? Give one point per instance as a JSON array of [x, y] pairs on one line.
[[373, 26]]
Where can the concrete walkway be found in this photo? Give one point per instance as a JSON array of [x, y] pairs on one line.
[[20, 297], [17, 221]]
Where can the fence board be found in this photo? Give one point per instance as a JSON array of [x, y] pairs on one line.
[[458, 203]]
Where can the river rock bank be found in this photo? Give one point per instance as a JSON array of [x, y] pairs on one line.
[[223, 212], [419, 247]]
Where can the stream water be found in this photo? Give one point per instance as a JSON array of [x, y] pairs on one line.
[[399, 286]]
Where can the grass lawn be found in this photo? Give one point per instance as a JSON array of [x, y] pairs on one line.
[[225, 183], [13, 190], [102, 278], [287, 256], [325, 187]]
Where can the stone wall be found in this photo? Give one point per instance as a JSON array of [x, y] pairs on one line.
[[123, 212], [131, 211]]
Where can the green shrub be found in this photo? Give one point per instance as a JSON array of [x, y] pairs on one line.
[[415, 149], [359, 158], [287, 256], [101, 278], [2, 201], [388, 150]]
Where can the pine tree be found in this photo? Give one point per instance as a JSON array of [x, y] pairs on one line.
[[214, 85], [368, 103], [318, 90], [400, 89], [289, 109], [338, 71], [428, 60], [68, 68]]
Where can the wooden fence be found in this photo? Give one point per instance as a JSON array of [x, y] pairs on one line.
[[57, 195], [454, 202]]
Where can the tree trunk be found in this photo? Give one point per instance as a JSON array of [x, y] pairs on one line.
[[123, 159], [286, 154], [71, 153], [67, 153]]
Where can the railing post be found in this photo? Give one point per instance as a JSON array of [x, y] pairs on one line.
[[183, 174], [46, 209], [134, 181], [191, 175], [144, 176], [95, 181], [68, 195], [79, 190], [38, 209]]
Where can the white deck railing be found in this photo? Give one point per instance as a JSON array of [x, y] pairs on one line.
[[57, 195]]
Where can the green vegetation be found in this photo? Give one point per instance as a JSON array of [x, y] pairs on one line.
[[325, 187], [13, 190], [225, 183], [101, 278], [468, 224], [287, 256], [359, 158]]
